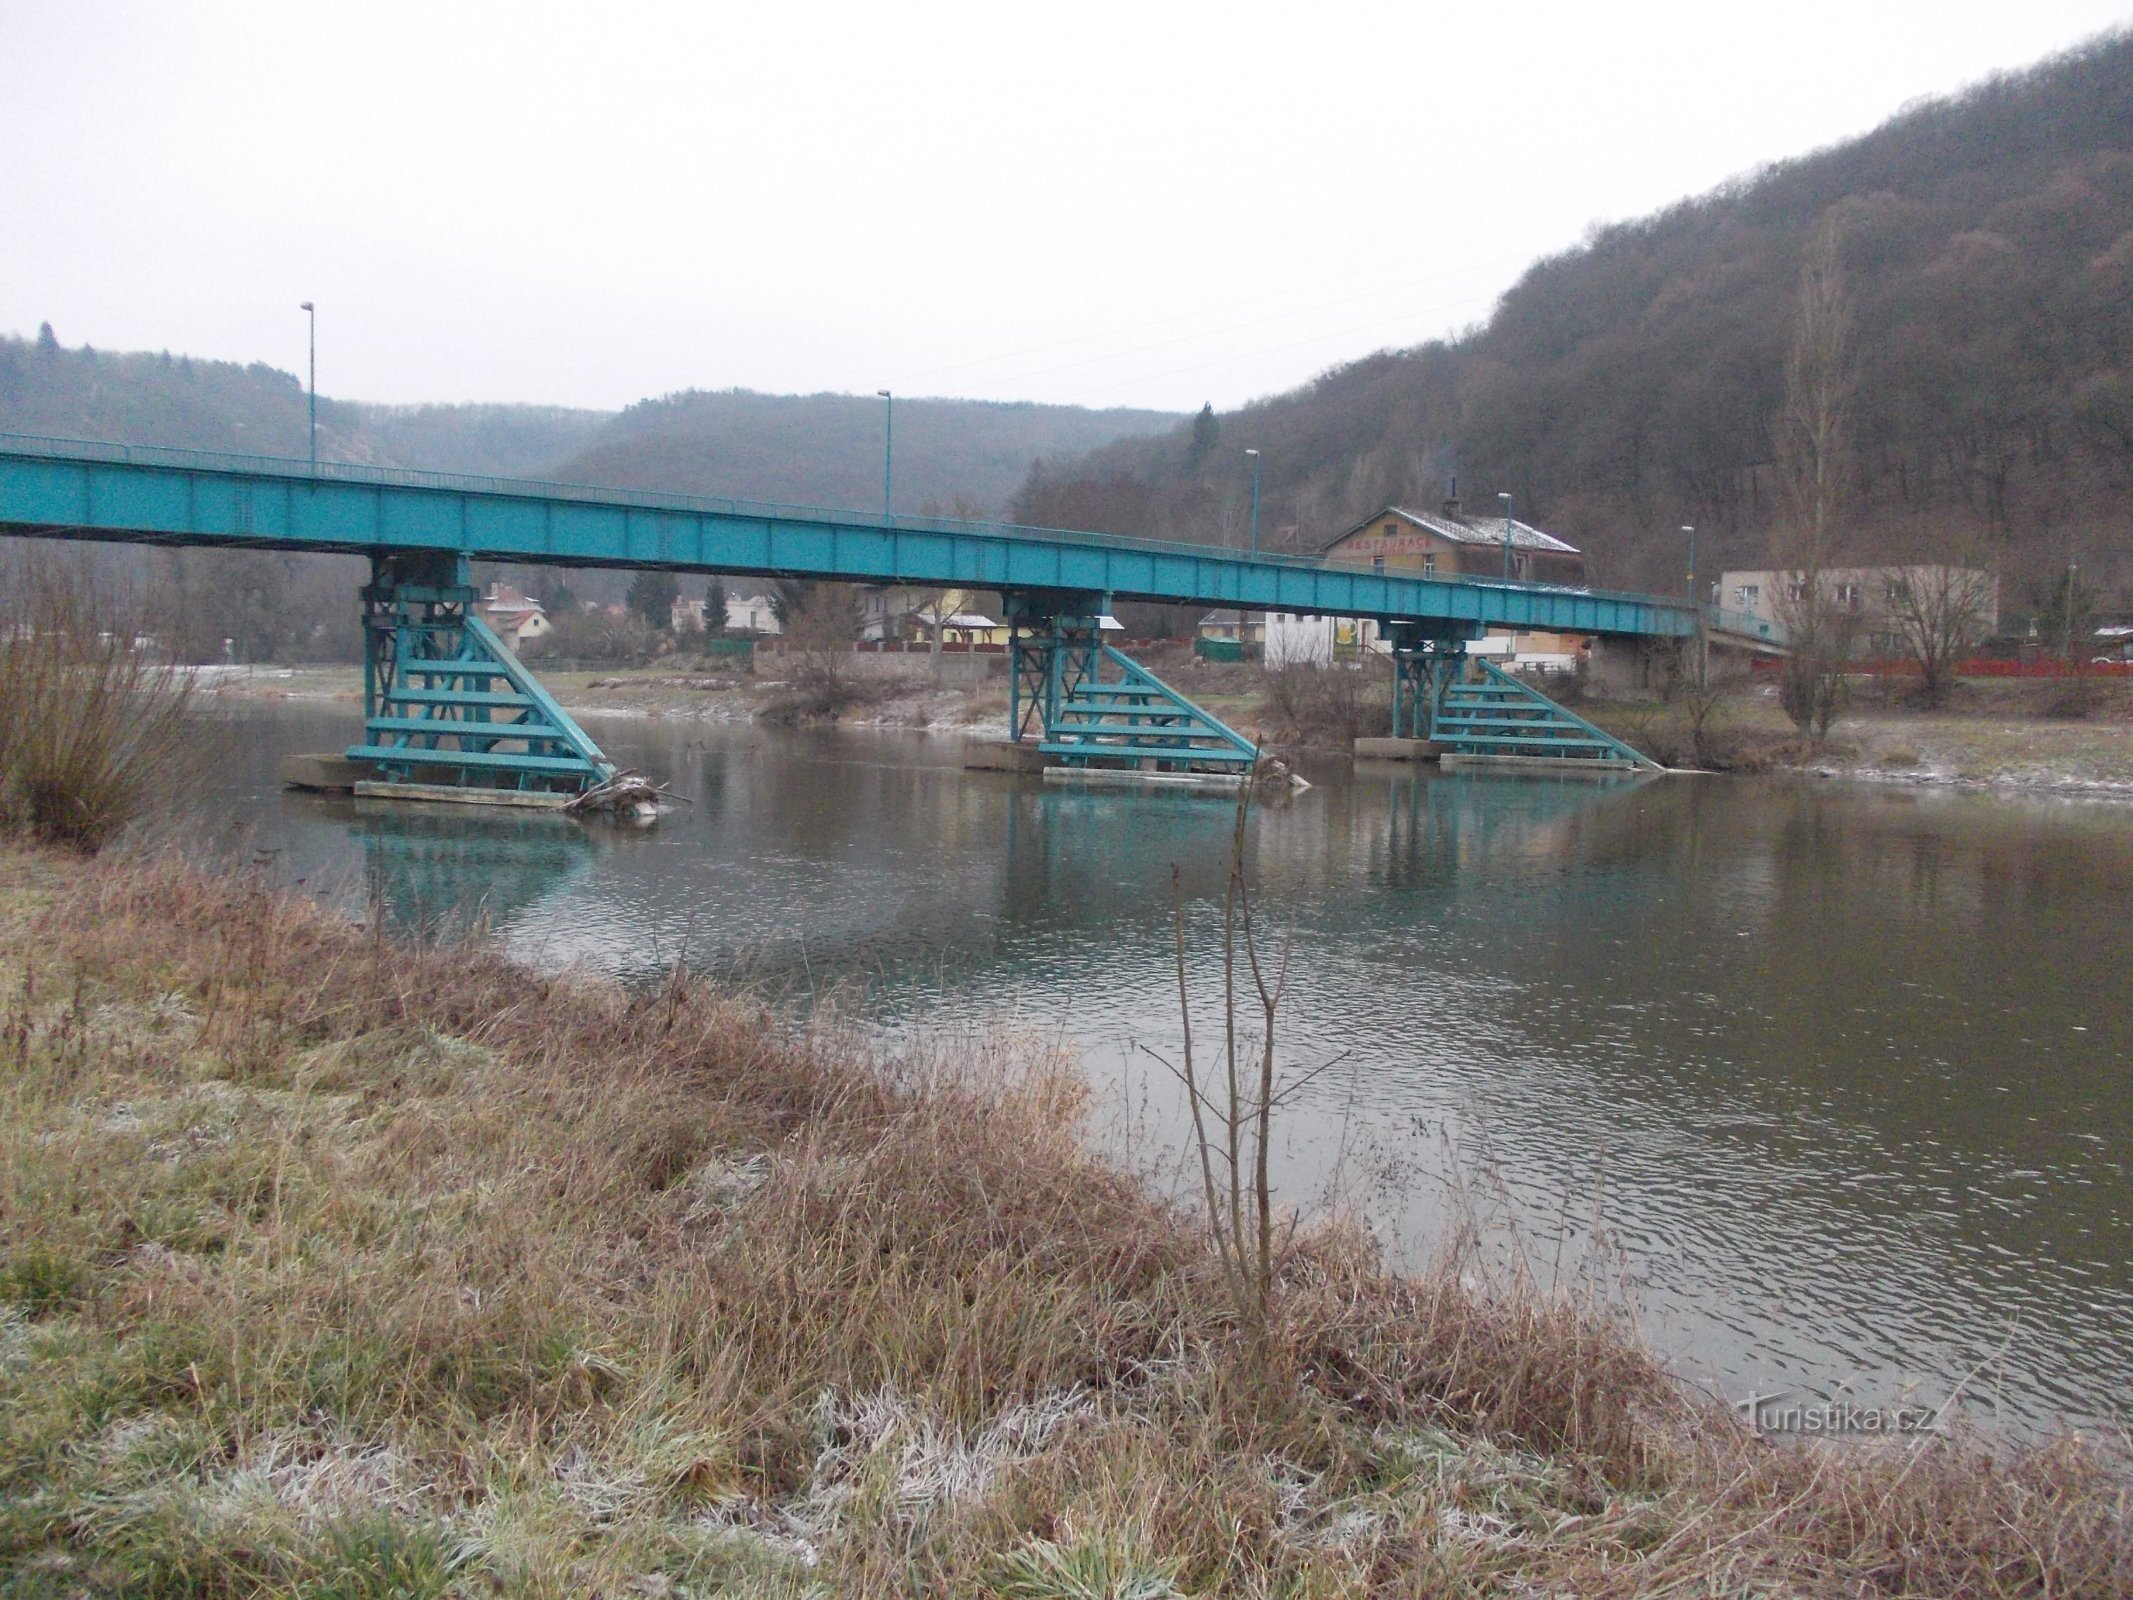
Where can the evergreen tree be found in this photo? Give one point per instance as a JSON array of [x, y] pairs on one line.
[[652, 595], [1206, 433], [47, 340]]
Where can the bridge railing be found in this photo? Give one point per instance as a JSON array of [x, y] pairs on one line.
[[1745, 623], [94, 450]]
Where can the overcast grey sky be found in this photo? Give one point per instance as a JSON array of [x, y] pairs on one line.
[[1107, 204]]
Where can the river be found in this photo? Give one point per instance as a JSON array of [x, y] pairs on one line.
[[1831, 1079]]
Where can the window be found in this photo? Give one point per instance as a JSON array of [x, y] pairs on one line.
[[1899, 590], [1377, 563], [1750, 593], [1391, 528], [1848, 596], [1429, 561], [1796, 590]]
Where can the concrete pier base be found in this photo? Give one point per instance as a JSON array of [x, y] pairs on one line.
[[327, 774], [454, 794], [1397, 750], [1552, 766], [1003, 755], [1132, 778]]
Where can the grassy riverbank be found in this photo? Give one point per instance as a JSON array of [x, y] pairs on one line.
[[336, 1267]]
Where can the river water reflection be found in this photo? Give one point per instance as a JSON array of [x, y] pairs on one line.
[[1843, 1071]]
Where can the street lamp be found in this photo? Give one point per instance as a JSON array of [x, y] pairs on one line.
[[311, 311], [888, 444], [1257, 464], [1691, 532], [1505, 496]]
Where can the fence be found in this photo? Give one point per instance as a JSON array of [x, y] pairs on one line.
[[1977, 667]]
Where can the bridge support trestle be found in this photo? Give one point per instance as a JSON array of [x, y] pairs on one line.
[[445, 702], [1427, 659], [1087, 704]]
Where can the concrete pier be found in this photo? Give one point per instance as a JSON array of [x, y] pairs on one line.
[[1003, 755], [1128, 778], [1554, 766], [1397, 750], [326, 774], [458, 795]]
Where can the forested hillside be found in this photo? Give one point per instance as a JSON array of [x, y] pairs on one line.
[[1629, 386], [826, 449], [144, 398]]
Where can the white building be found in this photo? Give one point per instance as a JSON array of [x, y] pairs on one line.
[[752, 613], [1294, 640]]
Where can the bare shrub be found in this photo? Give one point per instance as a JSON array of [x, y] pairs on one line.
[[2074, 697], [1322, 705], [90, 719], [621, 637], [822, 679]]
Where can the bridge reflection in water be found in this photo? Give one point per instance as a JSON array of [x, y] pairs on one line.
[[438, 871]]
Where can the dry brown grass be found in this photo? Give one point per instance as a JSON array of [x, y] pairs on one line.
[[338, 1267]]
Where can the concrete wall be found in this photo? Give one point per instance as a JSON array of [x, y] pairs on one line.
[[961, 670], [1621, 666]]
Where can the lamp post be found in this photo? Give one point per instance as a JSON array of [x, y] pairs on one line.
[[2073, 569], [1703, 644], [1257, 463], [311, 311], [888, 444], [1505, 496]]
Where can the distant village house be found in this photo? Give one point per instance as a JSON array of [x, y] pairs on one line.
[[906, 615], [1449, 543], [515, 617], [752, 613]]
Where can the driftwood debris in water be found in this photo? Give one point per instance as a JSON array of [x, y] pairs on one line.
[[626, 794]]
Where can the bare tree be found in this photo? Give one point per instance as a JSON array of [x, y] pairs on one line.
[[819, 624], [944, 606], [1941, 612], [1813, 455], [1233, 1102]]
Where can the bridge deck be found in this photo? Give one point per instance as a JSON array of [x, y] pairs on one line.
[[78, 489]]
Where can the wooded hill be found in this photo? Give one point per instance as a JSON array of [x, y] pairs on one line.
[[190, 404], [820, 449], [1629, 385], [955, 457]]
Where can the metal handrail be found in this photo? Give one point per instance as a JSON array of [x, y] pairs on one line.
[[95, 450]]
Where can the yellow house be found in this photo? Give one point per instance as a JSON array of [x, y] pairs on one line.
[[1244, 627], [962, 630]]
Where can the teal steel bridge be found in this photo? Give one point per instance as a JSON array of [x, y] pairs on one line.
[[430, 661]]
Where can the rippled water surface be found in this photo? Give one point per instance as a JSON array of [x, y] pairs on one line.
[[1842, 1073]]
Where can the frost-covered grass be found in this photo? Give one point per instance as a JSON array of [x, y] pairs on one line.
[[330, 1267]]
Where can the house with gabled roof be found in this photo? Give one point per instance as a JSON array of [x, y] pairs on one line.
[[1449, 543]]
